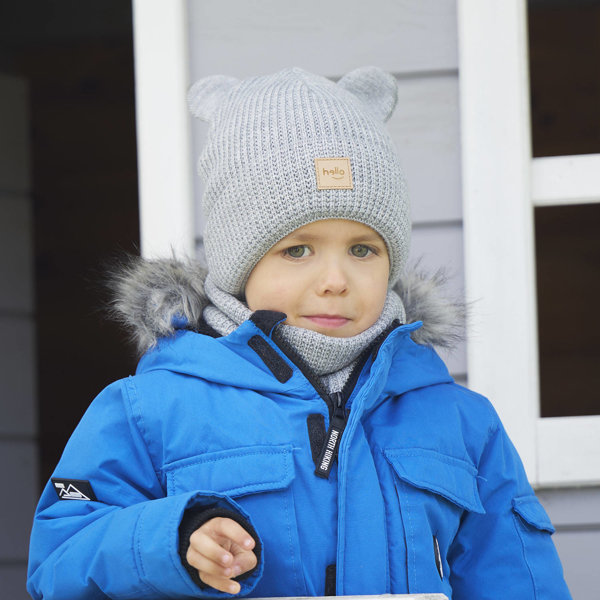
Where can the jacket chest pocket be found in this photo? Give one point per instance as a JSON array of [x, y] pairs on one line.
[[433, 491], [259, 479]]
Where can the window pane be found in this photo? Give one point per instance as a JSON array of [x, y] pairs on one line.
[[564, 62], [568, 280]]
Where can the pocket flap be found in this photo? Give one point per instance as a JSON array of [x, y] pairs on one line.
[[532, 512], [233, 472], [452, 478]]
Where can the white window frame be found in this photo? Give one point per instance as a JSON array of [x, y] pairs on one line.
[[165, 172], [502, 184]]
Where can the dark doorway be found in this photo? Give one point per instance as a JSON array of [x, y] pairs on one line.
[[564, 70], [78, 60]]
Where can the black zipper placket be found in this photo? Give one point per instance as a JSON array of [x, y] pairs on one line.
[[336, 402], [337, 424]]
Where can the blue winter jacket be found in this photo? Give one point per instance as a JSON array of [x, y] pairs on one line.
[[425, 494]]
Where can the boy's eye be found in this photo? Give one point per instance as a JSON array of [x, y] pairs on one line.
[[298, 251], [360, 250]]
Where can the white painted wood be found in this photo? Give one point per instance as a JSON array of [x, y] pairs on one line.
[[441, 247], [18, 460], [18, 406], [250, 37], [498, 220], [15, 173], [425, 127], [16, 253], [163, 127], [569, 451], [558, 180]]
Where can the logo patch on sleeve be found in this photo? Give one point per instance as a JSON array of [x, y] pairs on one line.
[[73, 489]]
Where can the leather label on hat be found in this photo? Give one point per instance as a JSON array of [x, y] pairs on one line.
[[333, 174]]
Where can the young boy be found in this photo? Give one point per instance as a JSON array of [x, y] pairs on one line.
[[291, 431]]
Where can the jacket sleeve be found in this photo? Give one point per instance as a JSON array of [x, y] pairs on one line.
[[508, 551], [125, 542]]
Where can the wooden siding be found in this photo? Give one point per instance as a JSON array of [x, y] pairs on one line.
[[244, 38], [575, 514]]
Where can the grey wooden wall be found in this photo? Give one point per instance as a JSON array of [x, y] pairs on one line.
[[416, 40], [17, 338], [575, 513]]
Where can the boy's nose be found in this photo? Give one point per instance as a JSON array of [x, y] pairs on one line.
[[332, 279]]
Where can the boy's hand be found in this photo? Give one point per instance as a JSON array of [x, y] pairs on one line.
[[221, 549]]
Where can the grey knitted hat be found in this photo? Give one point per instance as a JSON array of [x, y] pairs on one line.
[[291, 148]]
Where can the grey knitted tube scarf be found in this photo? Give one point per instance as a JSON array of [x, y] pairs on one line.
[[330, 358]]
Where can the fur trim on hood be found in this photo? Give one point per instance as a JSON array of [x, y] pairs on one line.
[[154, 298]]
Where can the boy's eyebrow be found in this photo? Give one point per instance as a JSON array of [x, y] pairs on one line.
[[309, 237], [300, 237], [369, 237]]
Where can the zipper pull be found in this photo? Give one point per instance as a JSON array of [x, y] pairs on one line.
[[334, 435]]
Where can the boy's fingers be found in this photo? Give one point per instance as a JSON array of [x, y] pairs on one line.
[[220, 550], [230, 529], [243, 562], [237, 565], [205, 565], [204, 545], [220, 583]]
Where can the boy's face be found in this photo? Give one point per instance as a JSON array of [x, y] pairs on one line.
[[328, 276]]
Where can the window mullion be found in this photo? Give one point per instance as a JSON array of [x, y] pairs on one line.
[[498, 215], [558, 180]]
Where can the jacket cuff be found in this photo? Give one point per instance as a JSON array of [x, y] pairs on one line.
[[194, 518]]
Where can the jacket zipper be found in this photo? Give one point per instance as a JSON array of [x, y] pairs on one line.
[[335, 401], [338, 417], [337, 425]]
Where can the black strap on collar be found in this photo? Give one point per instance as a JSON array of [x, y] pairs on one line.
[[271, 358], [265, 320]]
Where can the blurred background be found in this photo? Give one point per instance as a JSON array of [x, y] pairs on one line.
[[498, 129]]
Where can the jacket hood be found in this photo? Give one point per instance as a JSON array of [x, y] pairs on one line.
[[155, 298]]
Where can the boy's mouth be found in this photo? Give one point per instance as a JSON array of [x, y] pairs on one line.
[[328, 321]]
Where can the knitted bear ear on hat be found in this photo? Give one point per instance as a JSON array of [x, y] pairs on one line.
[[208, 93], [375, 88]]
